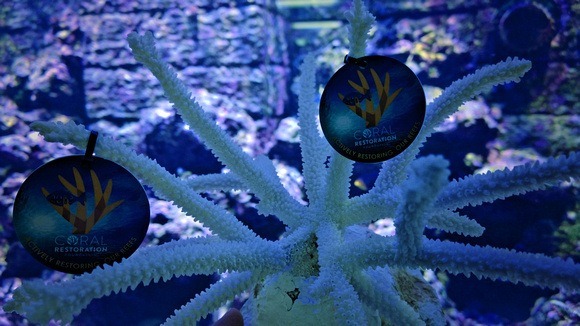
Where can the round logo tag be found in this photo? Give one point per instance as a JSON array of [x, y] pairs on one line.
[[73, 215], [372, 109]]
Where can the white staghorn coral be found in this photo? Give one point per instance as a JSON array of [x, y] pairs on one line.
[[323, 270]]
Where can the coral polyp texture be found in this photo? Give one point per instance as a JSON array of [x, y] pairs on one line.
[[328, 268]]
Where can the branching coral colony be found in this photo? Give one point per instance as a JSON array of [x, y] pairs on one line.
[[328, 268]]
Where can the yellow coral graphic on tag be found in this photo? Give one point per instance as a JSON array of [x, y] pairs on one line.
[[371, 114], [61, 202]]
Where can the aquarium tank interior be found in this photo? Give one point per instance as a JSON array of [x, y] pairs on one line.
[[213, 106]]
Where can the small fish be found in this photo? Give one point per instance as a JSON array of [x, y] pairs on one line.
[[62, 197], [360, 183], [354, 98]]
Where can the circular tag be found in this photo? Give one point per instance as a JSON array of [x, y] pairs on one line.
[[73, 215], [372, 109]]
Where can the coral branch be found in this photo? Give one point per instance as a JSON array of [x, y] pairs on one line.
[[340, 169], [165, 184], [460, 91], [217, 295], [426, 177], [480, 188], [349, 308], [374, 207], [337, 185], [212, 182], [313, 147], [377, 290], [60, 301], [264, 185], [493, 263], [500, 264], [360, 23], [449, 221]]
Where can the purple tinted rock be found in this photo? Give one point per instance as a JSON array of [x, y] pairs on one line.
[[561, 309], [229, 52]]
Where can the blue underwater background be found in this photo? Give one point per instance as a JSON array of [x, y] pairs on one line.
[[69, 60]]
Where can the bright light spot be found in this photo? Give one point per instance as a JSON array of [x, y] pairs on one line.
[[304, 3], [162, 113], [317, 24]]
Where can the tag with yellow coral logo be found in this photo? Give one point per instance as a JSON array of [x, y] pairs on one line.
[[73, 215], [372, 108]]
